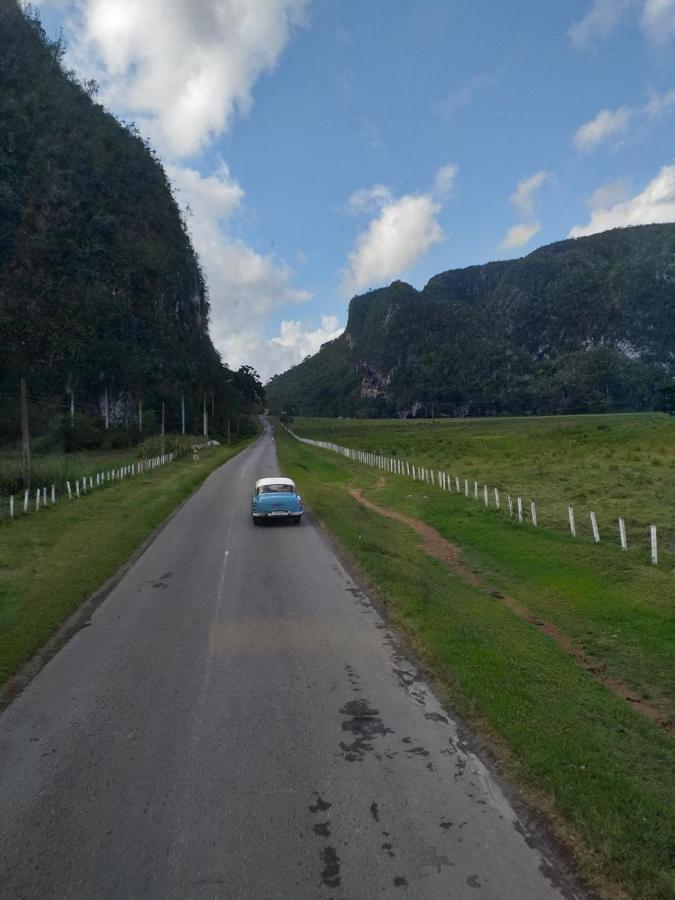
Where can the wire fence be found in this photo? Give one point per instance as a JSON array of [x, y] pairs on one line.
[[525, 512]]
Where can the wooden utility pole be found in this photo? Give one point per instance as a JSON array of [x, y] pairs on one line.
[[162, 432], [182, 411], [228, 429], [205, 418], [107, 409], [25, 436]]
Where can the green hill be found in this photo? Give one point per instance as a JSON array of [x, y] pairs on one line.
[[579, 325], [100, 288]]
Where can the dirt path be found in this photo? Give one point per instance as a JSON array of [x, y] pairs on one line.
[[434, 544]]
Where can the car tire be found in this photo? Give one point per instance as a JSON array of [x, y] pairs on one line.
[[257, 522], [297, 520]]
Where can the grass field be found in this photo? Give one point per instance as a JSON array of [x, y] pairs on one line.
[[51, 561], [57, 468], [615, 465], [599, 770]]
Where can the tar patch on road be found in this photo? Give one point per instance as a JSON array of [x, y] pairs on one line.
[[365, 725]]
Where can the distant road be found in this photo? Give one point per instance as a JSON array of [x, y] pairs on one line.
[[238, 721]]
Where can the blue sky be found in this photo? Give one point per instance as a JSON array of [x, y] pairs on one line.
[[329, 147]]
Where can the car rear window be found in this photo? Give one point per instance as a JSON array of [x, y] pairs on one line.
[[276, 489]]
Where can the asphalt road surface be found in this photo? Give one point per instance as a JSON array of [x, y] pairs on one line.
[[238, 721]]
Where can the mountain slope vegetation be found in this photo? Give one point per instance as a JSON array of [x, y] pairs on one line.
[[580, 325], [100, 288]]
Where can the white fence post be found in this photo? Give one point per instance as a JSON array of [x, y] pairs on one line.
[[53, 493], [26, 500], [475, 490], [622, 534], [655, 551], [11, 506], [570, 518], [37, 499], [594, 526], [520, 509], [77, 488], [497, 498], [510, 501], [44, 496], [533, 512], [485, 495], [457, 483], [466, 487]]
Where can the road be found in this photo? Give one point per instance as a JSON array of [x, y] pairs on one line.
[[238, 721]]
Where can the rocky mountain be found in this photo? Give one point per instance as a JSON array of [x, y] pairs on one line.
[[586, 324]]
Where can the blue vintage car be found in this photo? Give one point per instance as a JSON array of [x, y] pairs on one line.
[[276, 498]]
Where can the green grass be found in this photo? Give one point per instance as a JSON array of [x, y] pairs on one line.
[[49, 563], [603, 772], [615, 465], [57, 467]]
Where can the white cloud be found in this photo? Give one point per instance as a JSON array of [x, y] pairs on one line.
[[295, 341], [610, 123], [599, 22], [401, 233], [606, 124], [609, 194], [244, 286], [656, 203], [395, 240], [523, 200], [367, 200], [520, 234], [658, 20], [660, 104], [524, 196], [182, 69], [464, 94], [445, 180], [216, 196], [603, 16]]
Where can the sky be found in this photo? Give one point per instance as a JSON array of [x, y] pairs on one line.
[[323, 148]]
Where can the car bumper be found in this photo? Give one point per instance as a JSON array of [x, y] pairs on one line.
[[277, 514]]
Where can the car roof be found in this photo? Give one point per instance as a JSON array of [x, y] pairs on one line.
[[261, 482]]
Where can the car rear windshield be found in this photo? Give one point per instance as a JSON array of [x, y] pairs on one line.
[[276, 489]]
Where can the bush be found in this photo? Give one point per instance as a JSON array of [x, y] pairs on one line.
[[82, 432]]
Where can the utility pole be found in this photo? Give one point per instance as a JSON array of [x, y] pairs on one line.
[[25, 436], [228, 429], [140, 414], [182, 411], [204, 418], [107, 411], [162, 432]]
